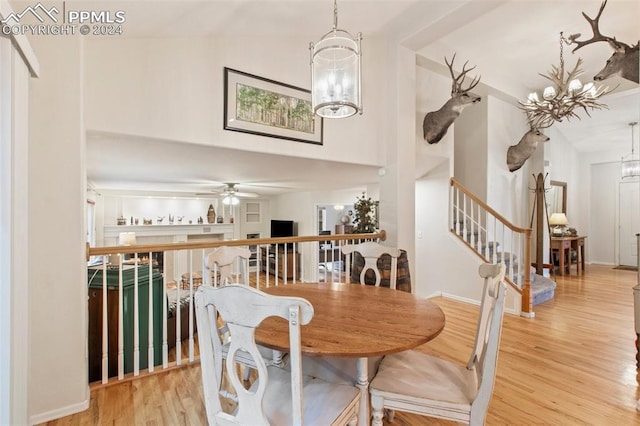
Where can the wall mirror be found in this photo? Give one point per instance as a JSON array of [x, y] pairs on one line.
[[556, 197]]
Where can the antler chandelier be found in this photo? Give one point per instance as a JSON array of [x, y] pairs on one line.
[[563, 97]]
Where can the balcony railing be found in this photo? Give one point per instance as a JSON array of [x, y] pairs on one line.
[[141, 320]]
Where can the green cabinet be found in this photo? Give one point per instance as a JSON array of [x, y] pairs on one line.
[[128, 300]]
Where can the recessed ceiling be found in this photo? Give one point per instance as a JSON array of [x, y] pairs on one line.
[[132, 163]]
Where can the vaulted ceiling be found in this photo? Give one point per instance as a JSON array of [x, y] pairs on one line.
[[509, 41]]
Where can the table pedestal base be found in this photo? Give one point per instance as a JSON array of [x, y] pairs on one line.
[[362, 368]]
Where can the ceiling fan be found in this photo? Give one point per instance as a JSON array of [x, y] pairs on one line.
[[231, 195]]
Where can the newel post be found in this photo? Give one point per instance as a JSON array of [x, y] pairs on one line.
[[527, 299]]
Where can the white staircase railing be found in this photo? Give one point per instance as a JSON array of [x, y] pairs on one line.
[[493, 238]]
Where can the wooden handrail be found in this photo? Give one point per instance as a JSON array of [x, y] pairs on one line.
[[146, 248], [497, 215]]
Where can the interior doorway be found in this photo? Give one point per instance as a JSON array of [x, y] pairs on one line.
[[629, 222], [332, 219]]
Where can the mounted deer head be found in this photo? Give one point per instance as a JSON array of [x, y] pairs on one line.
[[623, 62], [436, 123], [518, 154]]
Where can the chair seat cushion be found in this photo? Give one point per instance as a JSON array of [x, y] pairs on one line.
[[324, 403], [418, 377]]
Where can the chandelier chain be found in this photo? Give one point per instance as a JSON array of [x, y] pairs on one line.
[[562, 39], [335, 15], [632, 124]]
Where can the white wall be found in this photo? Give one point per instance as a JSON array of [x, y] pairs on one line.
[[470, 166], [562, 162], [58, 383], [507, 192], [172, 88]]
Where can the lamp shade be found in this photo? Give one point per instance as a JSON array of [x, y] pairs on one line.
[[630, 168], [631, 162], [558, 219], [230, 200]]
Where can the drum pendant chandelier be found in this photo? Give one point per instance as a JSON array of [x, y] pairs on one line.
[[336, 73], [631, 162]]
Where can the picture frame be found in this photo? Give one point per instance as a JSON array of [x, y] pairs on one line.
[[265, 107]]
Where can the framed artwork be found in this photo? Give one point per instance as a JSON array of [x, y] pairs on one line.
[[266, 107]]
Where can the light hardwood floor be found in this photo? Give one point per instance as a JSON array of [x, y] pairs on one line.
[[574, 363]]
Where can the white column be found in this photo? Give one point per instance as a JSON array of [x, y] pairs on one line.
[[14, 248], [57, 232], [397, 183]]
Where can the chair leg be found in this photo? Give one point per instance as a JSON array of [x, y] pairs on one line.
[[277, 359], [389, 414], [246, 373], [377, 404]]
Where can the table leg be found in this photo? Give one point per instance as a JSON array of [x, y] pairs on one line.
[[562, 253], [362, 368]]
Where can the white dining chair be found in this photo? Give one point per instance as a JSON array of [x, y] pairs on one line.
[[424, 384], [276, 397], [371, 252], [227, 264]]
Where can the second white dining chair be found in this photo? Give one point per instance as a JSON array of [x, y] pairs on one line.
[[227, 264], [371, 252], [415, 382], [276, 397]]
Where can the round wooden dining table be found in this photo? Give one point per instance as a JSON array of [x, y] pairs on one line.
[[355, 321]]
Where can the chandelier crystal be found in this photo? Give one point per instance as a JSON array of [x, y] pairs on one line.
[[631, 162], [336, 73], [563, 97]]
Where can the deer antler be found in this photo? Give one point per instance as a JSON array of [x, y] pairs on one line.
[[540, 124], [597, 36], [456, 83]]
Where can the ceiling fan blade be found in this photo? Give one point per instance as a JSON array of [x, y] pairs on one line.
[[246, 194]]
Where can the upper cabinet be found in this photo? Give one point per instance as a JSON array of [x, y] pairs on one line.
[[253, 212]]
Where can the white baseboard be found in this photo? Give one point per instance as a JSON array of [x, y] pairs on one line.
[[460, 299], [510, 311], [60, 412]]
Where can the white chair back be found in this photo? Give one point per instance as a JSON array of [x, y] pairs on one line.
[[244, 308], [484, 358], [416, 382], [226, 265], [371, 252]]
